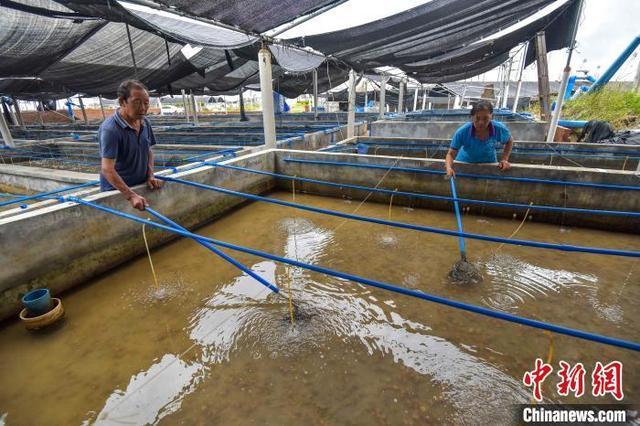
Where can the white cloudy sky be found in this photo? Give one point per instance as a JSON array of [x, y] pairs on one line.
[[607, 27]]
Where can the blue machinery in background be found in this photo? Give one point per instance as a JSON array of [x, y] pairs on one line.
[[615, 66], [591, 84], [177, 229]]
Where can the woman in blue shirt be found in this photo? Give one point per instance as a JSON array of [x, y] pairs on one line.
[[476, 142]]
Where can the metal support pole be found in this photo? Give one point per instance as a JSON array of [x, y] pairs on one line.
[[194, 110], [186, 106], [315, 94], [383, 91], [401, 97], [563, 86], [84, 112], [6, 134], [41, 113], [519, 86], [636, 81], [133, 55], [266, 91], [243, 115], [415, 99], [6, 109], [351, 117], [424, 97], [16, 106], [500, 86], [104, 116], [366, 96], [505, 98], [464, 92], [556, 112], [543, 75]]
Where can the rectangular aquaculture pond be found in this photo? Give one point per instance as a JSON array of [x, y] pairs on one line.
[[360, 331]]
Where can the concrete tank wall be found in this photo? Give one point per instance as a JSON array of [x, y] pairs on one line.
[[520, 130], [607, 156], [480, 189], [63, 245], [35, 179]]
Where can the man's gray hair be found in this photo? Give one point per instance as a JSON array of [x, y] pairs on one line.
[[124, 90]]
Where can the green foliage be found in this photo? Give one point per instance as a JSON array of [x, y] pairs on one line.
[[620, 108]]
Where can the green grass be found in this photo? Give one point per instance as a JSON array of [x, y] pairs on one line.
[[620, 108]]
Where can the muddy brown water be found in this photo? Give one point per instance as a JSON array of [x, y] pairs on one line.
[[212, 346]]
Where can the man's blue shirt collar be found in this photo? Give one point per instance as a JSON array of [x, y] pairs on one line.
[[123, 123]]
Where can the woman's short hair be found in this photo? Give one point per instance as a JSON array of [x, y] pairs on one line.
[[481, 106], [124, 90]]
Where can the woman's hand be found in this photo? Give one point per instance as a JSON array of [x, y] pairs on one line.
[[504, 165], [450, 172]]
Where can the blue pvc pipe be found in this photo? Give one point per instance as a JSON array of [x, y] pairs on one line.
[[44, 194], [549, 149], [572, 124], [469, 175], [456, 209], [615, 66], [570, 84], [430, 196], [216, 251], [526, 243], [612, 341]]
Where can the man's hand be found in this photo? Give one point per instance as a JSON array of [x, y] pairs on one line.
[[504, 165], [154, 183], [450, 172], [137, 201]]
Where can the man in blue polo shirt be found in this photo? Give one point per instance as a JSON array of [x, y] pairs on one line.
[[476, 142], [125, 141]]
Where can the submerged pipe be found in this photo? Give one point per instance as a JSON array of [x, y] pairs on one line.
[[216, 251]]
